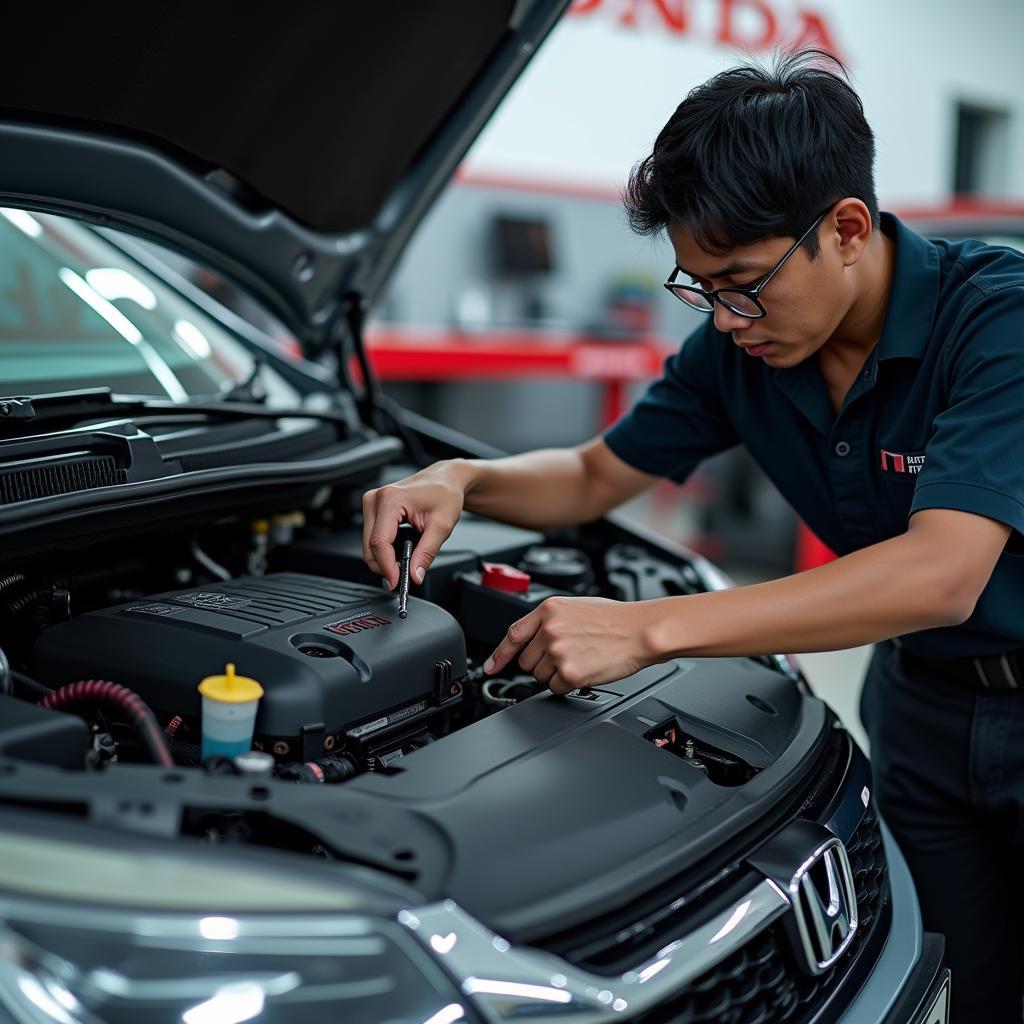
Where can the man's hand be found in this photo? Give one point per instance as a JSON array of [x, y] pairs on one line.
[[569, 642], [536, 490], [431, 500]]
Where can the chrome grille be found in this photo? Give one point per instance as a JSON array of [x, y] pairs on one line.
[[760, 982], [614, 941]]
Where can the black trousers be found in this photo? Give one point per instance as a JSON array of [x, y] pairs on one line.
[[949, 780]]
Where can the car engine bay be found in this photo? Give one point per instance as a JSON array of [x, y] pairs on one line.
[[379, 741], [349, 686]]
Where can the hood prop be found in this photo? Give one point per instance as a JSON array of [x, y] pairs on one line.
[[375, 408], [353, 308]]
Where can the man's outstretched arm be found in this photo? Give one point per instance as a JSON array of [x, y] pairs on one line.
[[928, 577], [538, 490]]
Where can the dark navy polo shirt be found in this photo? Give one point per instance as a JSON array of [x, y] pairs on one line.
[[934, 420]]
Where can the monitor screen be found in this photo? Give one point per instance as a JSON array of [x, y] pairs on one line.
[[521, 246]]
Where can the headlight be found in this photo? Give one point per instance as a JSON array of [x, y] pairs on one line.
[[94, 960]]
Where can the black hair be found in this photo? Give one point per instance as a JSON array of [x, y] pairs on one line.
[[757, 152]]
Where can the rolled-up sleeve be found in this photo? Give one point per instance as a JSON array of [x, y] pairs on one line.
[[681, 418], [974, 460]]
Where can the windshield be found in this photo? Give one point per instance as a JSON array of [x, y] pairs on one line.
[[77, 312]]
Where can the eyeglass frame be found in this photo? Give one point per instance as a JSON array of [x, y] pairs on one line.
[[751, 293]]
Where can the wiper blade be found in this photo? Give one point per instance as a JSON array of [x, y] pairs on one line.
[[24, 414], [20, 410]]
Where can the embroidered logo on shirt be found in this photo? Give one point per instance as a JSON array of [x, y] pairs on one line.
[[894, 462]]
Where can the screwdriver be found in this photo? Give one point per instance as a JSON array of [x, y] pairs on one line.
[[406, 540]]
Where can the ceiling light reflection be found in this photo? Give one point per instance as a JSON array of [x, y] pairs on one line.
[[218, 928], [192, 339], [448, 1014], [490, 987], [656, 968], [40, 998], [737, 915], [160, 370], [443, 943], [92, 298], [64, 996], [23, 221], [231, 1004], [114, 283]]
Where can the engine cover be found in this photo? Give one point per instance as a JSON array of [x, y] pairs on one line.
[[333, 658]]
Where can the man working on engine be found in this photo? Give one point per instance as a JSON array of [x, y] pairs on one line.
[[878, 378]]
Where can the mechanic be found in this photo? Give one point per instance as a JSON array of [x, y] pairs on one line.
[[878, 378]]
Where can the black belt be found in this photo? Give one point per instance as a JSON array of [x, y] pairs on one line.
[[991, 672]]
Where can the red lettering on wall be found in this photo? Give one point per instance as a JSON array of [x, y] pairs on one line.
[[813, 32], [746, 24], [728, 34], [671, 12]]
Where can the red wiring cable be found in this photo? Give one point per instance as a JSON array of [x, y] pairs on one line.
[[100, 691]]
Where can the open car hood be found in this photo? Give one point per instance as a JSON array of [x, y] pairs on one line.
[[292, 148]]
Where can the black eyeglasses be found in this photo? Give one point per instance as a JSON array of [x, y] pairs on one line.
[[743, 302]]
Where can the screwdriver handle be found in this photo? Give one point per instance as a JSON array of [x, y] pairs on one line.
[[406, 540]]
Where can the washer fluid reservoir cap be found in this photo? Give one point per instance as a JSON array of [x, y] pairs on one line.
[[504, 577], [229, 688]]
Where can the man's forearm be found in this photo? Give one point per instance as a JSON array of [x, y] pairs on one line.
[[882, 591], [538, 490]]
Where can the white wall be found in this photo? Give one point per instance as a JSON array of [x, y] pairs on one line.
[[589, 107], [612, 72]]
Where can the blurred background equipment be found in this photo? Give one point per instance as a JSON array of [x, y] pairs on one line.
[[522, 257]]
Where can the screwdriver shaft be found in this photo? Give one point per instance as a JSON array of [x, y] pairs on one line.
[[403, 579]]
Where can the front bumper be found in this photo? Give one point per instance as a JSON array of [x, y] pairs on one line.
[[925, 1000], [888, 978], [908, 974]]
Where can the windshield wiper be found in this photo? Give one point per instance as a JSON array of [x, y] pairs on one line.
[[16, 410], [248, 390], [27, 414]]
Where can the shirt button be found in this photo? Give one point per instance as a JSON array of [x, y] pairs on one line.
[[842, 449]]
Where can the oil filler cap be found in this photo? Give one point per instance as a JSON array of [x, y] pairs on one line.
[[505, 577]]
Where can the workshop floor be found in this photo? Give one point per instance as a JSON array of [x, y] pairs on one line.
[[835, 676]]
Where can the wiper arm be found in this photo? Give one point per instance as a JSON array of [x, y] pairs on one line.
[[248, 389], [24, 414], [17, 410]]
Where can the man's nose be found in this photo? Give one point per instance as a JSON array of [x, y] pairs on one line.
[[727, 321]]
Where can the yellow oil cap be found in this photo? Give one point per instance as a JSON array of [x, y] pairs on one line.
[[229, 688]]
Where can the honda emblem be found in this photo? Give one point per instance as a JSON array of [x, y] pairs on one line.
[[824, 903]]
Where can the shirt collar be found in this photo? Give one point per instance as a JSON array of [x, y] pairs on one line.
[[913, 296]]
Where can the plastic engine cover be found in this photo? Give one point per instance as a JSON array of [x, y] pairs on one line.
[[332, 657]]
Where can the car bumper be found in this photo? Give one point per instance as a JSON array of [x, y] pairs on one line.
[[907, 979]]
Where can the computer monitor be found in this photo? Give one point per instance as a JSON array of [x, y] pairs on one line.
[[522, 246]]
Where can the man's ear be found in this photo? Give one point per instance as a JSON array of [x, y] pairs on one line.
[[850, 223]]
